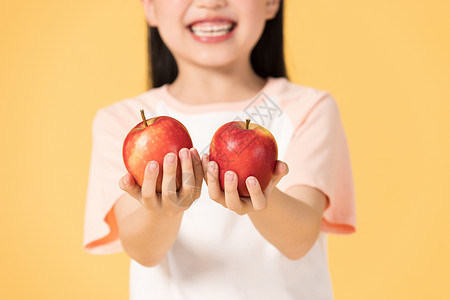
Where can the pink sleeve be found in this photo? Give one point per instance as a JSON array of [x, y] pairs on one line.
[[106, 168], [318, 156]]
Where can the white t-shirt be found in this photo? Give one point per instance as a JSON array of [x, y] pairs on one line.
[[219, 254]]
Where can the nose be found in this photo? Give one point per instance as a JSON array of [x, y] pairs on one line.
[[210, 3]]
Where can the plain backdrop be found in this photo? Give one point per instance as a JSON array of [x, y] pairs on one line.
[[385, 62]]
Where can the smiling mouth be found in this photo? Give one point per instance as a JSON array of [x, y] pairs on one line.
[[212, 29]]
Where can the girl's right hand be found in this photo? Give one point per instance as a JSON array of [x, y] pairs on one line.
[[169, 202]]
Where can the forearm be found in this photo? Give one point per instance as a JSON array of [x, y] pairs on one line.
[[146, 237], [292, 226]]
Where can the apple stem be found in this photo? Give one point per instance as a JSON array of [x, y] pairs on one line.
[[247, 122], [143, 118]]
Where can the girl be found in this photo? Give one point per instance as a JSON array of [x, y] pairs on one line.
[[212, 62]]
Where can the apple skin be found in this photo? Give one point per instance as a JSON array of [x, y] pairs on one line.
[[144, 144], [247, 152]]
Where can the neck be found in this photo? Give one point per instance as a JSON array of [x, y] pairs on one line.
[[200, 85]]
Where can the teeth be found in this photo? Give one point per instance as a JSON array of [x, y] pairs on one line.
[[211, 30], [210, 33]]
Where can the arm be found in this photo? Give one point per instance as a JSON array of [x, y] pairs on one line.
[[148, 227], [145, 236], [290, 224], [289, 221]]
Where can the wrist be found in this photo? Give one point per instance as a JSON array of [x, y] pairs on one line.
[[163, 214]]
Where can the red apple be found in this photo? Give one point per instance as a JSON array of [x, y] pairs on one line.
[[248, 150], [151, 140]]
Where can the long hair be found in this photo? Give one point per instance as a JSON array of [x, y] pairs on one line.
[[267, 58]]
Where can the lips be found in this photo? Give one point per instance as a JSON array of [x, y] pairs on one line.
[[212, 28]]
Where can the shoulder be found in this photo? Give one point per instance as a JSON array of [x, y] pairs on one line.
[[299, 101]]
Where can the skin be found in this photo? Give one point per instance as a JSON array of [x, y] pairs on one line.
[[149, 226], [211, 73]]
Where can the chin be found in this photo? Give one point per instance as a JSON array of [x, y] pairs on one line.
[[218, 59]]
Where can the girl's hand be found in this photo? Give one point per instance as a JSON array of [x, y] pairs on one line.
[[169, 202], [230, 197]]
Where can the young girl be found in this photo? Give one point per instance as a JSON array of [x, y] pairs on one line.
[[213, 62]]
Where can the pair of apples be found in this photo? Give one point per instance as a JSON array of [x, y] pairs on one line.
[[247, 149]]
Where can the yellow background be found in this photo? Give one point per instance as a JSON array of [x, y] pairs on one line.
[[386, 62]]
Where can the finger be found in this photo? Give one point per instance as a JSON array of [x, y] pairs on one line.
[[149, 197], [169, 181], [281, 170], [129, 185], [232, 199], [187, 168], [205, 161], [198, 171], [214, 190], [187, 175], [259, 201]]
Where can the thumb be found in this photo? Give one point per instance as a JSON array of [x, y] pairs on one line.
[[129, 185], [281, 170]]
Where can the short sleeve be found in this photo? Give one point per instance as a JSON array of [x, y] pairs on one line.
[[101, 234], [318, 156]]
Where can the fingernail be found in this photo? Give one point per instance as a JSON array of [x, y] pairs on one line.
[[124, 182], [184, 153], [153, 166], [170, 159], [229, 177], [212, 166], [251, 181], [204, 156]]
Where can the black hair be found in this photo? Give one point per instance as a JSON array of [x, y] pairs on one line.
[[267, 58]]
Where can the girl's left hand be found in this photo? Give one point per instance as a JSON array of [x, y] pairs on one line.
[[230, 197]]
